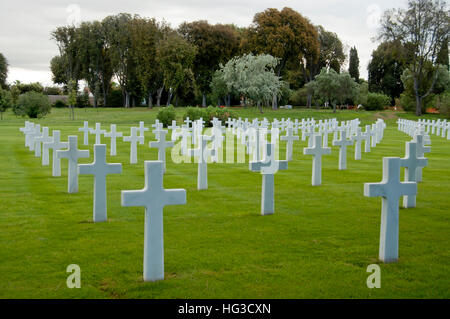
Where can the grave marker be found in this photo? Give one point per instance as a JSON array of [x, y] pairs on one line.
[[72, 154], [390, 189], [154, 197], [99, 168]]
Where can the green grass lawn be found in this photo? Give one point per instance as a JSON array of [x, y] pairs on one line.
[[318, 243]]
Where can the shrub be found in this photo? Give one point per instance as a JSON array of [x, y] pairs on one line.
[[166, 115], [376, 101], [299, 97], [114, 98], [408, 102], [59, 104], [194, 113], [221, 114], [82, 100], [52, 90], [32, 104], [207, 114]]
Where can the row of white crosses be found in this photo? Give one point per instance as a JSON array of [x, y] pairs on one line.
[[391, 189], [153, 197], [255, 133], [425, 127], [267, 165]]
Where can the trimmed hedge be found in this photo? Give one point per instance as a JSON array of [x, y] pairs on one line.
[[166, 115], [32, 104], [207, 114], [377, 101]]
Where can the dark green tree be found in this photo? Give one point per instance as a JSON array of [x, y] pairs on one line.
[[3, 71], [424, 25], [386, 67], [215, 44], [353, 67]]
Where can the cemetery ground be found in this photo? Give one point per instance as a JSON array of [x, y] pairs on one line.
[[318, 243]]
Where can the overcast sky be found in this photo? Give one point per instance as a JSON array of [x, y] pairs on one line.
[[25, 25]]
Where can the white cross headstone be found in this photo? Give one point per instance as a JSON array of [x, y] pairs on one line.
[[161, 144], [343, 143], [44, 138], [202, 153], [317, 151], [268, 168], [367, 134], [99, 168], [72, 154], [174, 127], [113, 134], [86, 130], [154, 197], [157, 125], [374, 135], [35, 132], [411, 162], [98, 133], [390, 189], [38, 139], [358, 138], [188, 122], [142, 129], [27, 130], [289, 138], [421, 150], [55, 145], [133, 139]]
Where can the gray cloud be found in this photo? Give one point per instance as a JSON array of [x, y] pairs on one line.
[[25, 25]]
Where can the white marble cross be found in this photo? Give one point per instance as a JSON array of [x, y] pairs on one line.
[[255, 143], [317, 151], [343, 143], [142, 129], [154, 197], [113, 134], [185, 134], [23, 129], [39, 141], [411, 162], [421, 150], [289, 138], [27, 130], [174, 127], [35, 132], [374, 135], [390, 189], [309, 132], [55, 145], [99, 168], [357, 139], [72, 154], [367, 134], [217, 143], [133, 139], [161, 144], [202, 153], [98, 133], [86, 130], [188, 122], [268, 168], [157, 125]]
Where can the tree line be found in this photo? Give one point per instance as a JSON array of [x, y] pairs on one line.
[[280, 58], [148, 58]]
